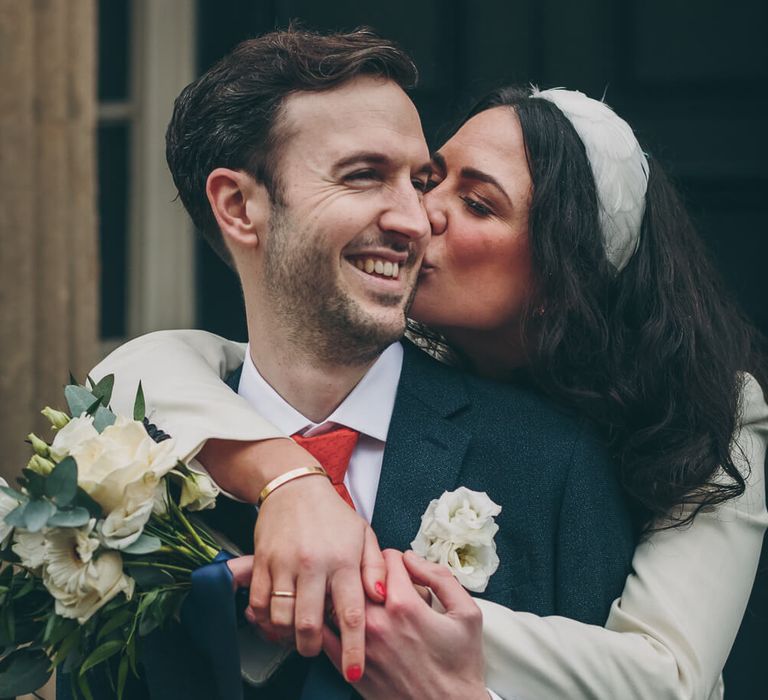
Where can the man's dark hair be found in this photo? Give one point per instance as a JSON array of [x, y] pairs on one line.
[[230, 116]]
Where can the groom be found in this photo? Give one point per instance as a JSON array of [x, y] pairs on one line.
[[302, 160]]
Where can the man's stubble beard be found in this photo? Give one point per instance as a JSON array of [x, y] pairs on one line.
[[321, 320]]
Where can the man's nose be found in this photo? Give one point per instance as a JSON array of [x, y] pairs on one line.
[[405, 214]]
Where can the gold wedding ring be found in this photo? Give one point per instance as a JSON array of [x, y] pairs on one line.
[[283, 594]]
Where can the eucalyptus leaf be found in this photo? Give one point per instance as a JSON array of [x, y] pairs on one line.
[[79, 399], [83, 500], [16, 517], [35, 483], [103, 418], [74, 517], [36, 514], [92, 408], [139, 404], [23, 671], [144, 545], [61, 484], [13, 493], [103, 389]]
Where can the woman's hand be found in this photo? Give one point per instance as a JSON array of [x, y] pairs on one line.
[[414, 651], [307, 540]]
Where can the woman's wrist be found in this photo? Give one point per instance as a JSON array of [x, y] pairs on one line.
[[244, 469]]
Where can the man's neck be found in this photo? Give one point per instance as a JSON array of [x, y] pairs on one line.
[[313, 387]]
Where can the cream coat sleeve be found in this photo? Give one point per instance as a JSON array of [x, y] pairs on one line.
[[669, 634], [180, 373]]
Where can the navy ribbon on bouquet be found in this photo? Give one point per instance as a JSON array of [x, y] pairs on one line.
[[209, 617]]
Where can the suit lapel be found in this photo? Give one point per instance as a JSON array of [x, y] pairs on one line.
[[425, 449]]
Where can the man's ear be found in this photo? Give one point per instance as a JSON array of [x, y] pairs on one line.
[[241, 206]]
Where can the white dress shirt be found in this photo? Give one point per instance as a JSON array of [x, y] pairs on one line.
[[367, 409]]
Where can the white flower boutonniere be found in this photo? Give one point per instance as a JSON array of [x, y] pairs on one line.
[[457, 530]]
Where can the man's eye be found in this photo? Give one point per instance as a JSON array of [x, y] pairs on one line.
[[361, 175], [420, 184]]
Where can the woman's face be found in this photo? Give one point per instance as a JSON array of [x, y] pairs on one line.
[[477, 269]]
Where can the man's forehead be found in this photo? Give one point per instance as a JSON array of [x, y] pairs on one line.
[[364, 114]]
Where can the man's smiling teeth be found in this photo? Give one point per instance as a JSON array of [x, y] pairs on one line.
[[380, 267]]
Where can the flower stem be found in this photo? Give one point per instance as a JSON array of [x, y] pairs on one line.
[[158, 565], [206, 550]]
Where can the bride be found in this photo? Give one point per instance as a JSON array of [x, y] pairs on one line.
[[560, 258]]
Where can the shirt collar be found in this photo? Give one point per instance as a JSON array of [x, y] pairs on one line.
[[367, 408]]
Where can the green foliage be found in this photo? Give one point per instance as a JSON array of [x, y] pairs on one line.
[[33, 482], [73, 517], [13, 493], [83, 500], [23, 671], [36, 514], [144, 545], [139, 404], [61, 484], [79, 400], [101, 654], [103, 390]]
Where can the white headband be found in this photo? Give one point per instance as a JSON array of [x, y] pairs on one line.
[[619, 166]]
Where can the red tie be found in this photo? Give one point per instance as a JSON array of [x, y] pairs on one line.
[[333, 450]]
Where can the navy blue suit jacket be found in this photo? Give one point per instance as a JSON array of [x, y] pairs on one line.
[[565, 537]]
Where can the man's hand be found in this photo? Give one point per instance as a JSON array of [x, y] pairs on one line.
[[414, 651], [307, 540]]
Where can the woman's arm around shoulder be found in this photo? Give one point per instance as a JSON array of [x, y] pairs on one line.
[[181, 373], [670, 633]]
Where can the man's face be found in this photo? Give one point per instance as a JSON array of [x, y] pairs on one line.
[[345, 243]]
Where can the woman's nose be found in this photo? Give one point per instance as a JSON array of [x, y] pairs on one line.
[[435, 213]]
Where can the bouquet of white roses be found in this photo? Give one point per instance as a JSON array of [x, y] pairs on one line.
[[96, 549]]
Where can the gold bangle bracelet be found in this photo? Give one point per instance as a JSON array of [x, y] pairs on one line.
[[278, 481]]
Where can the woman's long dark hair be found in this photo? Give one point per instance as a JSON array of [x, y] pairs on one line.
[[655, 354]]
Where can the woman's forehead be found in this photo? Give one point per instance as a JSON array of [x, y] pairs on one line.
[[491, 141]]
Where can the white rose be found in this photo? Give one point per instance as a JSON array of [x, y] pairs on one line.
[[462, 516], [30, 548], [198, 492], [81, 580], [457, 531], [120, 469], [7, 504], [472, 565], [74, 434]]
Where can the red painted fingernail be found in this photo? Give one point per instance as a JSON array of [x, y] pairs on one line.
[[381, 589], [354, 673]]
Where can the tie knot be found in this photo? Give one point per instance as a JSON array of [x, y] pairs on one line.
[[332, 449]]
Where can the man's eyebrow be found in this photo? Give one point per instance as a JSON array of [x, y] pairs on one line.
[[468, 173], [371, 157]]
